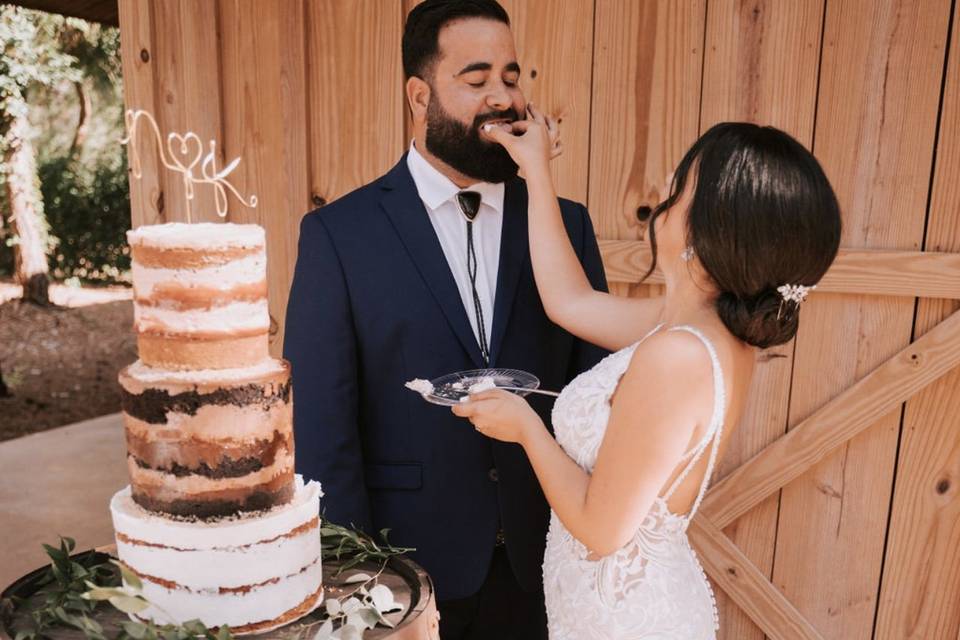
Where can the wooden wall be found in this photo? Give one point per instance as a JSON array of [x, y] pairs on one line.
[[866, 543]]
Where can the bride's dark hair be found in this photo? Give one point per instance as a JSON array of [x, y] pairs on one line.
[[763, 215]]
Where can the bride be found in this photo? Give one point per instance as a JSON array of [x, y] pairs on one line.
[[749, 227]]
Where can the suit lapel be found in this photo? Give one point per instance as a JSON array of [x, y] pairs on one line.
[[514, 254], [410, 219]]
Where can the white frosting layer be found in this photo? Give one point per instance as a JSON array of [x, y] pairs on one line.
[[201, 235], [247, 270], [237, 316], [210, 569], [213, 609], [147, 374], [137, 523]]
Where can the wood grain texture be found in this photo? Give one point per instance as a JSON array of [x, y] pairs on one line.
[[554, 43], [746, 586], [761, 62], [188, 94], [832, 425], [356, 101], [647, 67], [263, 51], [309, 93], [877, 107], [139, 79], [920, 587], [875, 272]]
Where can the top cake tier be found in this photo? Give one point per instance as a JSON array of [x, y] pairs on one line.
[[200, 294]]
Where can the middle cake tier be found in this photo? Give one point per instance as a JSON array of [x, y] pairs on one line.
[[209, 443]]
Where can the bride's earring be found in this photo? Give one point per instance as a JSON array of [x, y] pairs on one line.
[[687, 254]]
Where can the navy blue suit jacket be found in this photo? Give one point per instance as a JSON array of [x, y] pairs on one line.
[[374, 304]]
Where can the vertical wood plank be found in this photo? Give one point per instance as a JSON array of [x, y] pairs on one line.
[[921, 577], [139, 63], [761, 63], [356, 102], [877, 109], [188, 93], [263, 59], [646, 96], [554, 46]]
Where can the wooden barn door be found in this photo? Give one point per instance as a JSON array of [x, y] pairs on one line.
[[835, 512]]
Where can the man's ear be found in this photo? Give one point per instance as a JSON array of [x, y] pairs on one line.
[[418, 97]]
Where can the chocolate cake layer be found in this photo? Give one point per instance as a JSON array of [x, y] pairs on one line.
[[219, 504], [228, 468], [153, 405], [211, 442], [210, 458]]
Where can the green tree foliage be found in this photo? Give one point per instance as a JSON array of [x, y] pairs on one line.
[[64, 73]]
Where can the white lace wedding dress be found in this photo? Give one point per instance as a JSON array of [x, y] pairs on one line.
[[654, 586]]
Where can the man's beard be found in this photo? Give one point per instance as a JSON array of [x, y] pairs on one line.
[[462, 148]]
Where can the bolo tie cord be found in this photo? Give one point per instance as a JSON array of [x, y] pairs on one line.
[[469, 202]]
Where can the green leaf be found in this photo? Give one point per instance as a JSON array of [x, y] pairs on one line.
[[95, 592], [57, 555], [135, 630], [129, 577], [129, 604]]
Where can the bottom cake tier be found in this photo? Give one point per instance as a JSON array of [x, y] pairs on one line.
[[254, 572]]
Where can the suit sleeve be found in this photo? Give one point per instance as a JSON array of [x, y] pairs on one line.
[[585, 354], [320, 344]]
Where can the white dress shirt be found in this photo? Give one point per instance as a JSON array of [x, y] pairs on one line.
[[438, 194]]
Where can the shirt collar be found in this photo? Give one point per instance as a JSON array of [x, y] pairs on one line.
[[435, 188]]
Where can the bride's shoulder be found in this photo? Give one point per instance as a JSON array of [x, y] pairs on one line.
[[667, 356]]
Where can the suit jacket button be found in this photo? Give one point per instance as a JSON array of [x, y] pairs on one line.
[[493, 474]]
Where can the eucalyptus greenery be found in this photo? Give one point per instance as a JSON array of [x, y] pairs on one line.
[[71, 590], [356, 547], [61, 594]]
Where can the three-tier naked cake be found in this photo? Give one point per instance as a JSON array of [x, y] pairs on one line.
[[214, 522]]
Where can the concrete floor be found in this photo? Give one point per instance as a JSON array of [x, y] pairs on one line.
[[58, 482]]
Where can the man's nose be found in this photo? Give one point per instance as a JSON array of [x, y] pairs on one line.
[[499, 98]]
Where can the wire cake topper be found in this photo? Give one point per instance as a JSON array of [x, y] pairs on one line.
[[182, 154]]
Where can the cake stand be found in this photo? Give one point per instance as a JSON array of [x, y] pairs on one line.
[[410, 584]]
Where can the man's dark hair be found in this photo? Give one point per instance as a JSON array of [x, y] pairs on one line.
[[421, 33]]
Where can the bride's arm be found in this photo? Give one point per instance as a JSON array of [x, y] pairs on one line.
[[568, 298], [651, 423]]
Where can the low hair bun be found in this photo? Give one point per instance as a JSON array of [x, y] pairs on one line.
[[762, 320]]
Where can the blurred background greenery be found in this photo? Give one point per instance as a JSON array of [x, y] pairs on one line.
[[61, 104]]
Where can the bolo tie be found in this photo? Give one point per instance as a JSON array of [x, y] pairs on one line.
[[469, 202]]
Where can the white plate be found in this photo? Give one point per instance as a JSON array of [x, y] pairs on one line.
[[448, 389]]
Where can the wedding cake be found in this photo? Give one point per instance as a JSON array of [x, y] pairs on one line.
[[214, 522]]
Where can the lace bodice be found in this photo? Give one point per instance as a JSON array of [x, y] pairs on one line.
[[653, 587]]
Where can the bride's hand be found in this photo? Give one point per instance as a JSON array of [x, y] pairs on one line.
[[500, 415], [531, 143]]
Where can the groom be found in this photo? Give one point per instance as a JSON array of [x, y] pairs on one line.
[[421, 273]]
